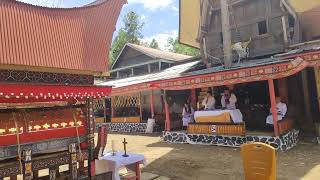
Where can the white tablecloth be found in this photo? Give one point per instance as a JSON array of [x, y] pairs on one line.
[[235, 114], [118, 161]]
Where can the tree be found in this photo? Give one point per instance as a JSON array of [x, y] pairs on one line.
[[154, 44], [174, 46], [129, 33]]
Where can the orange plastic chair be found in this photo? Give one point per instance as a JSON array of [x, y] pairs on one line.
[[259, 161]]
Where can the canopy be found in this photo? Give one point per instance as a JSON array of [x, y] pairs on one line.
[[23, 93], [280, 66]]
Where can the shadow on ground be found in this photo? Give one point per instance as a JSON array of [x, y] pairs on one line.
[[202, 162]]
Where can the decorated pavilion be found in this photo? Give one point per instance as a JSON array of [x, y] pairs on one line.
[[48, 60]]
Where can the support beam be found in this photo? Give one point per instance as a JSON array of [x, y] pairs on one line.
[[73, 162], [91, 128], [166, 108], [226, 33], [273, 107], [140, 105], [149, 68], [152, 104], [193, 98], [306, 98], [283, 90], [27, 165], [53, 173], [102, 141]]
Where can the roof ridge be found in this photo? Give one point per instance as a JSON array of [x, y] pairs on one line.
[[159, 50]]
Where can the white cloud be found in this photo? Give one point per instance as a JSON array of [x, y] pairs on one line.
[[175, 9], [153, 4], [51, 3], [162, 38], [144, 18]]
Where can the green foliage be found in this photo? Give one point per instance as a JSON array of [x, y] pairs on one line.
[[129, 33], [154, 44], [174, 46]]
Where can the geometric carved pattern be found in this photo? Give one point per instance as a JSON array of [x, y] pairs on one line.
[[44, 77], [126, 101], [99, 104], [40, 163], [91, 128], [61, 144]]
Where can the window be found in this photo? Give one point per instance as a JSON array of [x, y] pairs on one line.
[[262, 27]]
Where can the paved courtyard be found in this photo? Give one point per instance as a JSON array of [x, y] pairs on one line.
[[196, 162]]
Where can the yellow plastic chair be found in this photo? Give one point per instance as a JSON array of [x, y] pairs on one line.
[[259, 161]]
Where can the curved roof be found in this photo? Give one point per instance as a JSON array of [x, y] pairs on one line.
[[72, 40]]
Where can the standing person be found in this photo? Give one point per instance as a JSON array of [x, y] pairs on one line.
[[209, 101], [187, 115], [228, 100], [281, 110]]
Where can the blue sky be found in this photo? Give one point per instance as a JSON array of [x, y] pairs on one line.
[[161, 17]]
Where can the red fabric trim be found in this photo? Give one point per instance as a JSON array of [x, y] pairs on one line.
[[19, 93], [41, 136]]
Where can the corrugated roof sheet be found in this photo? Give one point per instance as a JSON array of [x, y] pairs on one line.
[[156, 53], [173, 72], [75, 39], [301, 48], [246, 64]]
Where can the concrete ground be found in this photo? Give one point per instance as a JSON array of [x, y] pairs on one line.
[[200, 162]]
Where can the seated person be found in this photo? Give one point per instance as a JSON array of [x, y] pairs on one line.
[[281, 109], [209, 101], [228, 100], [187, 115]]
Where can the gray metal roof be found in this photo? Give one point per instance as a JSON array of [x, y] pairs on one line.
[[245, 64], [172, 72]]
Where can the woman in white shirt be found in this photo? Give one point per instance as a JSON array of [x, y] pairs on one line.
[[187, 115]]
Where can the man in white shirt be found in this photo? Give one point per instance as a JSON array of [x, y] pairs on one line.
[[209, 101], [228, 100], [281, 110]]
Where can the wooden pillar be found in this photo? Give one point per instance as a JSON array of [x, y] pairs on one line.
[[73, 161], [193, 98], [53, 173], [152, 104], [82, 170], [140, 105], [104, 104], [35, 174], [306, 98], [149, 68], [102, 141], [317, 78], [91, 128], [27, 165], [226, 33], [273, 107], [283, 90], [166, 108]]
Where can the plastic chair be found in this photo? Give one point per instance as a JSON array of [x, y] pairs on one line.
[[259, 161]]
